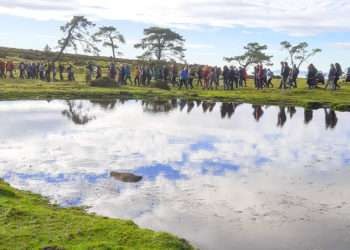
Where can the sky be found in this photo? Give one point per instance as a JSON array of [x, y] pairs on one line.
[[212, 29]]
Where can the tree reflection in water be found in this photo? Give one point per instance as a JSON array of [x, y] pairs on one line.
[[78, 113]]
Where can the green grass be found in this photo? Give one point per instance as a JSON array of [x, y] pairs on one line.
[[18, 89], [30, 222]]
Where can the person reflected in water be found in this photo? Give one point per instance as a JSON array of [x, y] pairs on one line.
[[308, 116], [331, 118], [182, 104], [208, 106], [227, 109], [282, 117], [190, 106], [292, 111], [205, 106], [211, 106], [258, 112], [174, 103]]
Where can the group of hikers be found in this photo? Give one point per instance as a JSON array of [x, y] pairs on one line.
[[334, 75], [206, 77], [37, 71]]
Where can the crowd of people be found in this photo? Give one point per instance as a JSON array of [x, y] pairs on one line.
[[204, 76], [334, 75], [37, 71]]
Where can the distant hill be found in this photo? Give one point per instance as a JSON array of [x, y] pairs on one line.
[[38, 55]]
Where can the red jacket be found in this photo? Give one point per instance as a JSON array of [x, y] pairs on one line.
[[10, 66]]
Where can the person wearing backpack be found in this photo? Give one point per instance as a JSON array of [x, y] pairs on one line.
[[269, 75], [184, 76]]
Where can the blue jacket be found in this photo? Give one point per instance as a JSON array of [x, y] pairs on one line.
[[184, 74]]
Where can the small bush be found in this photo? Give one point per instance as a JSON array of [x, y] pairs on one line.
[[160, 85], [105, 82]]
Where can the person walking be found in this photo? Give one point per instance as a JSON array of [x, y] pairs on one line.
[[54, 72], [294, 76], [2, 70], [311, 76], [10, 67], [226, 76], [205, 74], [331, 78], [184, 78], [128, 74], [61, 70], [269, 75], [285, 75], [98, 72]]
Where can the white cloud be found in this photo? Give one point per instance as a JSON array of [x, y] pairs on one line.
[[200, 46], [297, 17], [341, 45]]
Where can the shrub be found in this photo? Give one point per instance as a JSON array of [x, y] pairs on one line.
[[105, 82], [160, 84]]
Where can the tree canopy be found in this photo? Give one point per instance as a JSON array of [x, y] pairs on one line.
[[77, 33], [299, 53], [162, 44], [254, 54], [110, 37]]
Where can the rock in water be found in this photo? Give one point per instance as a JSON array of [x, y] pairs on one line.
[[126, 177]]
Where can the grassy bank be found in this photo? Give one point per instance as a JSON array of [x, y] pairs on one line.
[[29, 222], [339, 100]]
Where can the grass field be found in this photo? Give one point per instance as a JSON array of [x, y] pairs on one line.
[[26, 89], [29, 222]]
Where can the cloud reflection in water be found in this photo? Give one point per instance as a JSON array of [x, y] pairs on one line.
[[240, 181]]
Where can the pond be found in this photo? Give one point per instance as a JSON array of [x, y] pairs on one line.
[[221, 175]]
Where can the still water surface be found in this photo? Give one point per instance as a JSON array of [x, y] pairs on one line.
[[223, 176]]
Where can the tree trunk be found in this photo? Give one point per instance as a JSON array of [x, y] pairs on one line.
[[291, 60], [113, 49], [65, 44], [159, 51]]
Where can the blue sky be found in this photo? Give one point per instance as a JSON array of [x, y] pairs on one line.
[[212, 29]]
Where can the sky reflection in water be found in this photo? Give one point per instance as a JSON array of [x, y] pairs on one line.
[[224, 176]]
